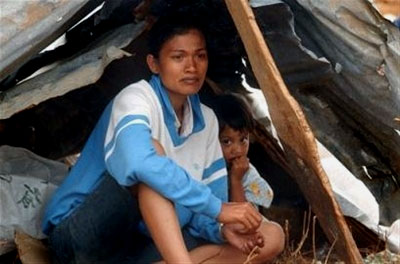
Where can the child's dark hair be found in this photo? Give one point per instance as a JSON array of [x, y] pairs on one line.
[[232, 111], [170, 25]]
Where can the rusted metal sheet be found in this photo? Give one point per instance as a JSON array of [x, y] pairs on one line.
[[296, 136], [364, 50], [364, 144], [71, 74], [27, 27], [367, 50]]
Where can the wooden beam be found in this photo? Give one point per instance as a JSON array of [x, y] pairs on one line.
[[388, 7], [295, 133]]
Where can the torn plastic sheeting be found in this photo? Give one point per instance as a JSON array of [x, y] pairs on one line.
[[259, 3], [26, 183], [353, 196]]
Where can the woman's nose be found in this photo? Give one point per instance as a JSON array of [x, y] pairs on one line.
[[191, 64]]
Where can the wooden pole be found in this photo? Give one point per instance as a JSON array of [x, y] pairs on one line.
[[295, 134]]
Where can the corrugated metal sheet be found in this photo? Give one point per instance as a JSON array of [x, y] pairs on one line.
[[81, 70], [28, 26]]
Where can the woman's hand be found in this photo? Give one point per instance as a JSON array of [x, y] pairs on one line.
[[245, 242], [240, 213]]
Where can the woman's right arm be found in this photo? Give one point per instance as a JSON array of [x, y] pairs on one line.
[[141, 163], [130, 157]]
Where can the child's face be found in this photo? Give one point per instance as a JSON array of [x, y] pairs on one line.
[[182, 64], [235, 143]]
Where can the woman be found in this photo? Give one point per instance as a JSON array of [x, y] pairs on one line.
[[154, 147]]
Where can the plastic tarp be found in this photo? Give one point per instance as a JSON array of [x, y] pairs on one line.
[[26, 183]]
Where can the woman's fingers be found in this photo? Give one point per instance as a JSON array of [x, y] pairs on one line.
[[253, 217], [255, 220], [241, 213]]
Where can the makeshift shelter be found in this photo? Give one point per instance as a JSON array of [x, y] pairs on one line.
[[339, 60]]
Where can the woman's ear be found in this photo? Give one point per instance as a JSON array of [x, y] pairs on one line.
[[152, 63]]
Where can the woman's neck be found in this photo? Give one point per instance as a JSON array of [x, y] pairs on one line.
[[178, 103], [179, 114]]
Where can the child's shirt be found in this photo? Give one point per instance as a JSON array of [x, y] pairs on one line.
[[192, 174], [256, 189]]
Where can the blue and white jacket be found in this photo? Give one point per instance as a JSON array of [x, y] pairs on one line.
[[192, 174]]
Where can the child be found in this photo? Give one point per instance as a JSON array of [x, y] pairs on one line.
[[153, 153], [245, 183]]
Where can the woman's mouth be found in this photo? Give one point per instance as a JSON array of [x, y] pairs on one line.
[[190, 80]]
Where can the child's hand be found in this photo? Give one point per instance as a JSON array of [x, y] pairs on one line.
[[238, 168], [243, 241]]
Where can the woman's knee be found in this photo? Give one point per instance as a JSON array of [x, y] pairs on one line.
[[142, 191], [280, 237], [145, 192], [143, 188], [274, 241], [159, 148]]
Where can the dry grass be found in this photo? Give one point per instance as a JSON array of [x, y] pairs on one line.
[[295, 254], [300, 253]]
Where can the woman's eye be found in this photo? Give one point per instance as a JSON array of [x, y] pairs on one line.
[[244, 139], [177, 57], [202, 55]]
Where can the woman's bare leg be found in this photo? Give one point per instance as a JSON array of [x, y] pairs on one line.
[[161, 220], [274, 241]]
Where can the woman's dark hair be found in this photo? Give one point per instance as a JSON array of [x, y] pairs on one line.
[[233, 111], [168, 26]]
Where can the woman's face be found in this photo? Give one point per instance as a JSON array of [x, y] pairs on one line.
[[182, 64]]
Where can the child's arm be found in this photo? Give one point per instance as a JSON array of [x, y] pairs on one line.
[[257, 189], [236, 172]]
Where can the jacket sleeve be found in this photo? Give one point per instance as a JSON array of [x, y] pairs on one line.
[[215, 176], [206, 228], [130, 158]]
